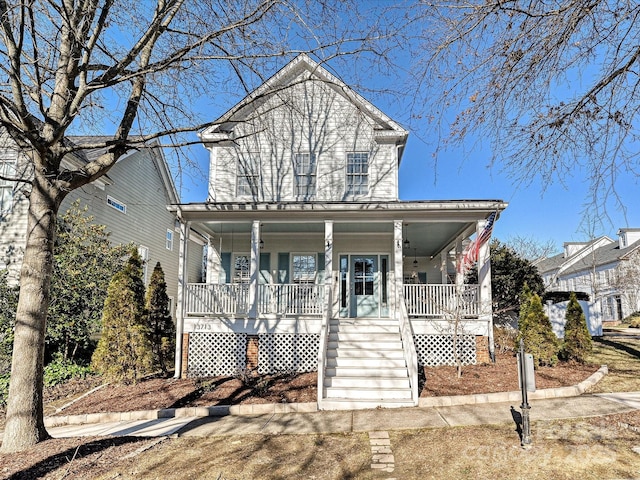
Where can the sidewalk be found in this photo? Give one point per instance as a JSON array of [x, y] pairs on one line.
[[359, 420]]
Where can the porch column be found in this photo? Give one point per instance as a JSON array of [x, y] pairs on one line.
[[328, 265], [254, 269], [213, 262], [181, 296], [398, 274], [459, 272], [443, 266], [484, 283]]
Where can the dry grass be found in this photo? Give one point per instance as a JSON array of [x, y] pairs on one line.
[[622, 357]]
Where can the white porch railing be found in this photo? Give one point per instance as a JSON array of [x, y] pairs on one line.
[[217, 299], [233, 299], [440, 300], [291, 299]]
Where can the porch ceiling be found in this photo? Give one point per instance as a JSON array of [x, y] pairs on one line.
[[430, 226]]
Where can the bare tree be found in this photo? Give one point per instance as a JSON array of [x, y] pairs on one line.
[[530, 248], [140, 68], [554, 85]]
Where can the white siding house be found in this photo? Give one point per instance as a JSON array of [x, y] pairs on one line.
[[314, 263], [607, 270], [131, 201]]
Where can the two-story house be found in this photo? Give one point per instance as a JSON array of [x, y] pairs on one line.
[[607, 270], [131, 200], [314, 264]]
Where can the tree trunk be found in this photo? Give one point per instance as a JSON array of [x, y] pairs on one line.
[[25, 415]]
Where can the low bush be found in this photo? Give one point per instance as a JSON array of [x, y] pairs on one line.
[[505, 338], [633, 320], [61, 370], [4, 390]]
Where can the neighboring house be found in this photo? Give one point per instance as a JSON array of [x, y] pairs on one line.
[[131, 200], [314, 263], [606, 269]]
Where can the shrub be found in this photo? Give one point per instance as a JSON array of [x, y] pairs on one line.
[[534, 328], [504, 338], [4, 389], [124, 352], [61, 370], [577, 339], [633, 320], [159, 321]]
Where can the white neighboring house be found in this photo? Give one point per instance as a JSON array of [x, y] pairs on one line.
[[606, 269], [314, 263], [131, 200]]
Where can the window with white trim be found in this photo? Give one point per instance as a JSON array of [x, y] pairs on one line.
[[144, 257], [117, 204], [304, 267], [7, 169], [248, 176], [169, 239], [357, 181], [241, 268], [305, 174]]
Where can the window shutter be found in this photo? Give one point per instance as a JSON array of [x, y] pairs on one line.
[[265, 268], [225, 262], [283, 267]]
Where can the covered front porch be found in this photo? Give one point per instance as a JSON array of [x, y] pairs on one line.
[[297, 287]]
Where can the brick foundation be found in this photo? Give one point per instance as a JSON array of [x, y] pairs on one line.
[[185, 355], [482, 349], [252, 352]]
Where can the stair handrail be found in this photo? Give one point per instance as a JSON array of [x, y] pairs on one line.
[[409, 348], [324, 341]]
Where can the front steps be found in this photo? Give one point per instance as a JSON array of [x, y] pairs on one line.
[[365, 365]]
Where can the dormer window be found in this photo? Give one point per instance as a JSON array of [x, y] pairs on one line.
[[357, 181], [305, 174]]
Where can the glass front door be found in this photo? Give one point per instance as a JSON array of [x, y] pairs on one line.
[[364, 295]]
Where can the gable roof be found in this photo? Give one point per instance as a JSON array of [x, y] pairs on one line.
[[284, 78], [85, 155], [600, 251]]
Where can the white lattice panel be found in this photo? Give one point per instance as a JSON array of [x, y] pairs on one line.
[[212, 354], [280, 352], [434, 350]]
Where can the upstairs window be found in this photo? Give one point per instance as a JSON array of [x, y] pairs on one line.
[[305, 175], [357, 174], [117, 204], [7, 169], [169, 239], [248, 176]]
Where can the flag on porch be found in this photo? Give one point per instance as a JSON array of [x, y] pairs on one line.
[[470, 254]]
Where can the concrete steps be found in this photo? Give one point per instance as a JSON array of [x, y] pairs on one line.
[[365, 365]]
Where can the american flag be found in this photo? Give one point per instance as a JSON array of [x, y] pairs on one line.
[[470, 254]]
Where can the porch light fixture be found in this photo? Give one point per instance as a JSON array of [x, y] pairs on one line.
[[406, 243], [328, 244], [261, 244], [415, 257]]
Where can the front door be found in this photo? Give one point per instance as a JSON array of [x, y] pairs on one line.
[[364, 296]]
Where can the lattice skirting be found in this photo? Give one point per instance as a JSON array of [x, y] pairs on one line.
[[434, 350], [284, 352], [213, 354]]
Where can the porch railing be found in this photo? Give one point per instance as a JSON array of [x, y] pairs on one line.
[[233, 299], [217, 299], [439, 300], [291, 299]]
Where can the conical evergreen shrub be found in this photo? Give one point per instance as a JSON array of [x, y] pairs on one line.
[[124, 352], [534, 328], [577, 339], [159, 321]]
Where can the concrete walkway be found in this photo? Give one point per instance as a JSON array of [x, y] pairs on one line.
[[360, 420]]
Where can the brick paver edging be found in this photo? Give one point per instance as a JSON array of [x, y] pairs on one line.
[[271, 408]]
